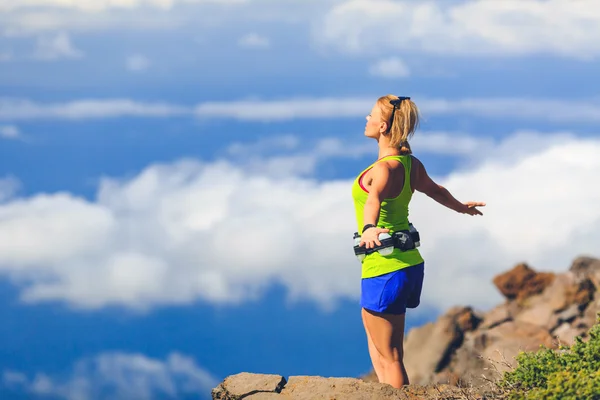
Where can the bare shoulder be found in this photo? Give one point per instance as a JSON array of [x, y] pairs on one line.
[[382, 168], [415, 161], [392, 165]]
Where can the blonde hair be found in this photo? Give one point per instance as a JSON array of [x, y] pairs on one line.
[[406, 121]]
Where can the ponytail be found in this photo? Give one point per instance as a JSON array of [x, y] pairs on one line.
[[402, 115]]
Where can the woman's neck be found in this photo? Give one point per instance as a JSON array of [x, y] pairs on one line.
[[388, 151]]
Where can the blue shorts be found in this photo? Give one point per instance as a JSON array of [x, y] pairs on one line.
[[393, 293]]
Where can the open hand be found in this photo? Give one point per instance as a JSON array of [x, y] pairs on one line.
[[370, 237], [471, 207]]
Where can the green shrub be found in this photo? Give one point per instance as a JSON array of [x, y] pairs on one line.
[[565, 374]]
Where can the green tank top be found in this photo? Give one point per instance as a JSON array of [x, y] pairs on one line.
[[393, 215]]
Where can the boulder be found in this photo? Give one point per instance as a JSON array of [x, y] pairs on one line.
[[522, 282], [590, 314], [569, 314], [554, 304], [318, 388], [496, 316], [541, 315], [246, 385], [491, 352], [429, 348], [256, 387], [566, 334], [556, 295], [506, 341], [587, 268], [582, 293]]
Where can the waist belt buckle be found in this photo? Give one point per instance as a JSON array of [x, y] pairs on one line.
[[403, 241]]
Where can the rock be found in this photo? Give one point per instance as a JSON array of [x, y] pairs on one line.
[[496, 316], [581, 293], [540, 315], [493, 351], [428, 349], [424, 348], [569, 314], [555, 296], [541, 309], [467, 364], [504, 342], [244, 385], [566, 334], [466, 319], [440, 391], [522, 282], [587, 268], [318, 388], [590, 315]]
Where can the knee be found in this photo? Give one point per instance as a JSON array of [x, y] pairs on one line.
[[394, 356]]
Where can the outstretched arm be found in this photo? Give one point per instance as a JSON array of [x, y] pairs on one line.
[[423, 183]]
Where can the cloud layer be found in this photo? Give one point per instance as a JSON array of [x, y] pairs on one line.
[[465, 28], [119, 376], [489, 28], [222, 233], [286, 109]]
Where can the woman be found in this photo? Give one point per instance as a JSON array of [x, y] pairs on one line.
[[392, 283]]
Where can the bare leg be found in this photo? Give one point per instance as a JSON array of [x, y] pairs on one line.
[[375, 356], [387, 334]]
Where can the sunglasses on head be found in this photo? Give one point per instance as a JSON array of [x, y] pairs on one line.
[[396, 103]]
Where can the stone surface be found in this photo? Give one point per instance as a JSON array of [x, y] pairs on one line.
[[540, 315], [587, 268], [556, 295], [319, 388], [506, 341], [582, 293], [245, 384], [522, 282], [496, 316], [466, 318], [590, 315], [263, 396], [428, 349], [566, 334], [491, 352], [569, 314]]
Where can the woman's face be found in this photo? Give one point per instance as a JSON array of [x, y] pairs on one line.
[[375, 125]]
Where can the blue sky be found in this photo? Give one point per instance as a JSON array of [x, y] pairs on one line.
[[138, 138]]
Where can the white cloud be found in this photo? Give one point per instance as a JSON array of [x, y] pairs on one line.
[[473, 27], [137, 62], [222, 233], [285, 109], [18, 109], [24, 18], [331, 107], [488, 28], [54, 48], [120, 376], [9, 132], [390, 68], [101, 5], [8, 187], [254, 41], [10, 378]]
